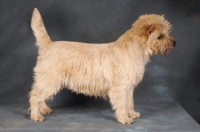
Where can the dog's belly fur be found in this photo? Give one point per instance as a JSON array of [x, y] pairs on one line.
[[93, 71]]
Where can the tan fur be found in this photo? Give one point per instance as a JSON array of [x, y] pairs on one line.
[[110, 70]]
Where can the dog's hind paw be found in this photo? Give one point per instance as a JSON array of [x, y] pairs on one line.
[[46, 111]]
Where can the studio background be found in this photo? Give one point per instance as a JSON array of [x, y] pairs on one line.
[[174, 77]]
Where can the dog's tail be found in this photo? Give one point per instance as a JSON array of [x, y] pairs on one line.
[[37, 25]]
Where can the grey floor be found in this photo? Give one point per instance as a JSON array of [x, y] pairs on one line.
[[167, 78], [156, 117]]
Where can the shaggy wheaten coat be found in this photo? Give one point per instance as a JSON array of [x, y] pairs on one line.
[[110, 70]]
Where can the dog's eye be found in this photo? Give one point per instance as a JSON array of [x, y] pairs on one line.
[[160, 37]]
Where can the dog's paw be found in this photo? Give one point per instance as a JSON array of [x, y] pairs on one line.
[[134, 114], [37, 118], [125, 120], [46, 111]]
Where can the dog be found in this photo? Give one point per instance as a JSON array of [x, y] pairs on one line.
[[109, 70]]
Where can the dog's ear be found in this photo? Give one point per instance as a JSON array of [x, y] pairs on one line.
[[147, 30]]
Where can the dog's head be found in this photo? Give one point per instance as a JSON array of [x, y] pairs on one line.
[[155, 31]]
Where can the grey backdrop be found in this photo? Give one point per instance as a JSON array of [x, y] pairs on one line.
[[172, 77]]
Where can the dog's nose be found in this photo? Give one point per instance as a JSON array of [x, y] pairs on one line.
[[174, 43]]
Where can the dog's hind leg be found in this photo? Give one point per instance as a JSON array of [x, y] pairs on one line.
[[44, 109], [43, 88], [34, 105], [118, 100]]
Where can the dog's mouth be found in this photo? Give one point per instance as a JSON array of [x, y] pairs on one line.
[[167, 51], [168, 48]]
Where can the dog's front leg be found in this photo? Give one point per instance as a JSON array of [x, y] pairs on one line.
[[118, 100], [130, 103]]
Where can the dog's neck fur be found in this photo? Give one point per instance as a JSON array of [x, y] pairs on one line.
[[130, 42]]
